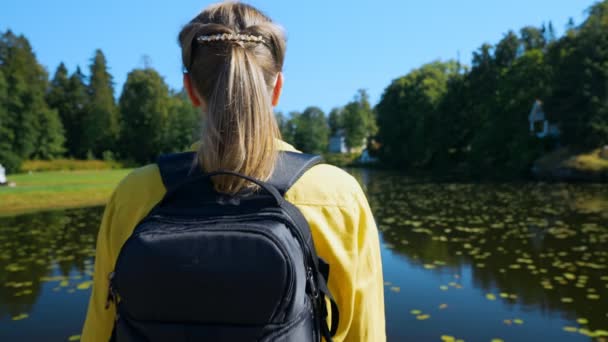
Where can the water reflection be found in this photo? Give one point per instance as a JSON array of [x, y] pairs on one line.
[[538, 247], [45, 254], [474, 261]]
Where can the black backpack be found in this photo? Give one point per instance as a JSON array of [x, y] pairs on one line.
[[202, 266]]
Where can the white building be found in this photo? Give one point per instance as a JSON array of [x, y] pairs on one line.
[[539, 123], [2, 175], [337, 143]]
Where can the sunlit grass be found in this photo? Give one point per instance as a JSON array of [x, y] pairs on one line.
[[589, 162], [585, 162], [58, 189], [68, 164]]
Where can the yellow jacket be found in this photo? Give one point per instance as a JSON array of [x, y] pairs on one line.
[[343, 229]]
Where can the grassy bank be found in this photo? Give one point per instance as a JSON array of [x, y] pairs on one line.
[[68, 165], [569, 165], [58, 189]]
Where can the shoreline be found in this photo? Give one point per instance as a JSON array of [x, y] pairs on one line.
[[49, 191]]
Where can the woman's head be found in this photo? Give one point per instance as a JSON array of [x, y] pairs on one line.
[[234, 55]]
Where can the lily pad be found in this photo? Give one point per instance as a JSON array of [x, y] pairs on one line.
[[85, 285], [20, 317]]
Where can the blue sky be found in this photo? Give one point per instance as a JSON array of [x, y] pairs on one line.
[[334, 46]]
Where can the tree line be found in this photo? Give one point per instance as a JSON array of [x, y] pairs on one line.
[[310, 130], [448, 117], [443, 116], [76, 115]]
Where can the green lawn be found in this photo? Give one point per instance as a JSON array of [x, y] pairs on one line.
[[58, 189]]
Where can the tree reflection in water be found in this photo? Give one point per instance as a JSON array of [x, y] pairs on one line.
[[540, 249], [54, 247], [540, 246]]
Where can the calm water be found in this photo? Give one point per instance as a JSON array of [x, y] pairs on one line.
[[477, 262]]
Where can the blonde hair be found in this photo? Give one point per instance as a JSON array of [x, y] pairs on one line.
[[235, 79]]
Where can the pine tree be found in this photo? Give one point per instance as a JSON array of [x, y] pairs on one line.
[[8, 158], [551, 36], [144, 106], [101, 125], [26, 84], [58, 99], [532, 38], [24, 89], [571, 27], [51, 137], [68, 95]]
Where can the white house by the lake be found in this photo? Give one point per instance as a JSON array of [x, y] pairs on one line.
[[540, 124], [337, 142]]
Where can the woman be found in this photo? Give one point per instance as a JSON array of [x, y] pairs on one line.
[[233, 56]]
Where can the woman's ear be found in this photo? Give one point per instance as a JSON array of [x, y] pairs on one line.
[[278, 88], [196, 101]]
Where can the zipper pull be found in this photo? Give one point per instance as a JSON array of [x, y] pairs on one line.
[[111, 294], [312, 283]]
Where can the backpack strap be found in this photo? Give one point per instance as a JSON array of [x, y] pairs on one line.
[[319, 277], [175, 167], [290, 167]]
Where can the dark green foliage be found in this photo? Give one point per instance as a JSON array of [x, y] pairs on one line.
[[100, 124], [144, 106], [507, 50], [183, 121], [442, 116], [550, 35], [504, 141], [8, 158], [580, 81], [336, 120], [311, 132], [57, 95], [407, 113], [75, 117], [358, 120], [532, 38], [69, 97], [477, 121], [28, 121], [51, 136]]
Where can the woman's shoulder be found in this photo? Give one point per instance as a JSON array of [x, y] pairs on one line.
[[325, 185], [141, 185], [322, 185]]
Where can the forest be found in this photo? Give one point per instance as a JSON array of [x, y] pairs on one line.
[[448, 117], [445, 116]]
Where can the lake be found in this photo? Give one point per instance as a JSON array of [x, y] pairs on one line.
[[472, 262]]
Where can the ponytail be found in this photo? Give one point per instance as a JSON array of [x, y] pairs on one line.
[[235, 76]]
